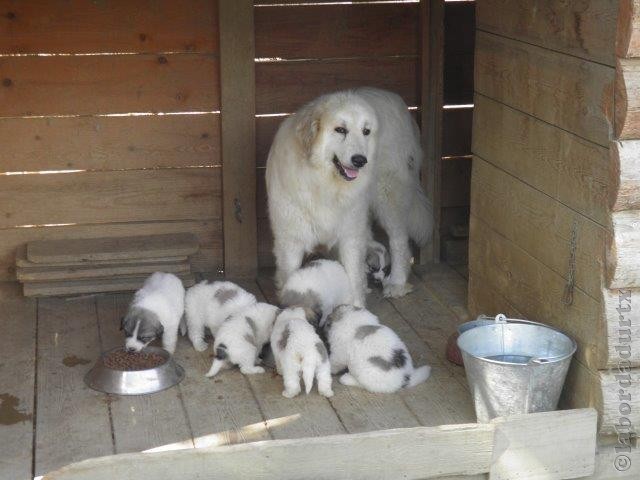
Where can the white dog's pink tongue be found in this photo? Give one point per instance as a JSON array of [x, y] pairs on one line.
[[351, 172]]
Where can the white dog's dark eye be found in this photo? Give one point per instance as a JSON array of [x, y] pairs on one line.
[[341, 130], [366, 132]]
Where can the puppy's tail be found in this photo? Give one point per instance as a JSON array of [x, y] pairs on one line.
[[308, 370], [420, 217], [419, 375]]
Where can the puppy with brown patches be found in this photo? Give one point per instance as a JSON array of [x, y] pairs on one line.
[[209, 304], [375, 357], [318, 287], [298, 351], [241, 337]]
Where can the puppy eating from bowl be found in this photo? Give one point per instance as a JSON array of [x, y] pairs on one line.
[[155, 311]]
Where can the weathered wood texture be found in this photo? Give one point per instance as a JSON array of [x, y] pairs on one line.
[[237, 77], [427, 452], [77, 26], [627, 99], [624, 169], [109, 143], [628, 31], [571, 93], [623, 263], [584, 28]]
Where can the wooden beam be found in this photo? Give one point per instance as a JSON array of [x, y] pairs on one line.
[[432, 72], [237, 91], [515, 447], [624, 170]]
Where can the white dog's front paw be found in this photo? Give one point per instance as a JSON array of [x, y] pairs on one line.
[[393, 290], [200, 346], [326, 393], [251, 370], [290, 393]]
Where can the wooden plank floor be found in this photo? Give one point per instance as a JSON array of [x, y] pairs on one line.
[[48, 418]]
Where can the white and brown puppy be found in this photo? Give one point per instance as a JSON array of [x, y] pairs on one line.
[[298, 351], [241, 337], [209, 304], [378, 262], [318, 287], [155, 311], [375, 357]]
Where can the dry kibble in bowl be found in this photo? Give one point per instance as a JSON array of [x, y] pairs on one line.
[[132, 361]]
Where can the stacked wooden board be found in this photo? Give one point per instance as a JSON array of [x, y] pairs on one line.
[[83, 266], [555, 196]]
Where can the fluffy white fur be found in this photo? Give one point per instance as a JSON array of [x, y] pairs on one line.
[[298, 351], [318, 196], [318, 287], [156, 310], [241, 337], [209, 304], [375, 357]]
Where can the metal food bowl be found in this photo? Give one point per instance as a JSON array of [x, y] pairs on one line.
[[135, 382]]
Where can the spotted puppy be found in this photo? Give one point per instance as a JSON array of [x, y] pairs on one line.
[[241, 337], [298, 350], [378, 262], [209, 304], [318, 287], [376, 359], [155, 311]]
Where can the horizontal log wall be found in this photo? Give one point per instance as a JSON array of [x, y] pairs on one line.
[[553, 201], [118, 103]]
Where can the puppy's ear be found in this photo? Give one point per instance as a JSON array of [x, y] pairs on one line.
[[308, 127]]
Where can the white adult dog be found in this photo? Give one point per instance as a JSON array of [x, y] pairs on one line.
[[338, 158]]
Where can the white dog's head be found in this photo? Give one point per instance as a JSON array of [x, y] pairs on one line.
[[338, 134]]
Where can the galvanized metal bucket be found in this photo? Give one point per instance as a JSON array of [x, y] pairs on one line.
[[514, 366]]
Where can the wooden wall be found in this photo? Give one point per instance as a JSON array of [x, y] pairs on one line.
[[547, 240], [109, 122]]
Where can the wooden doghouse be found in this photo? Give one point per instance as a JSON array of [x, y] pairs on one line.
[[141, 117]]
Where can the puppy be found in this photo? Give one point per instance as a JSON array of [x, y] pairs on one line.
[[209, 304], [376, 359], [241, 337], [378, 262], [155, 311], [318, 287], [298, 350]]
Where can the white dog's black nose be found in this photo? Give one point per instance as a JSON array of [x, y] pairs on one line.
[[358, 161]]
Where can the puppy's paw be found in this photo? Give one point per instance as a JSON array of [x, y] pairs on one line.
[[251, 370], [290, 393], [349, 380], [326, 393], [392, 290], [200, 346]]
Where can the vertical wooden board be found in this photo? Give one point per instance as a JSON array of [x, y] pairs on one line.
[[456, 182], [238, 99], [585, 29], [539, 225], [140, 422], [566, 167], [431, 100], [72, 421], [485, 300], [283, 87], [356, 31], [456, 131], [104, 197], [537, 291], [17, 379], [77, 26], [566, 91], [106, 84], [109, 143]]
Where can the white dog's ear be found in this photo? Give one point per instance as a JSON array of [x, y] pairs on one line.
[[308, 127]]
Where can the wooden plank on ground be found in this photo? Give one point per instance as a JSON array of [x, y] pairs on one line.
[[238, 99], [101, 84], [283, 87], [110, 143], [421, 452], [537, 291], [94, 285], [104, 197], [586, 30], [574, 171], [573, 94], [207, 259], [72, 420], [140, 422], [539, 225], [112, 248], [17, 378], [300, 32], [108, 27]]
